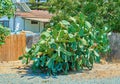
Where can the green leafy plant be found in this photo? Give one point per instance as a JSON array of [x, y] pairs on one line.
[[4, 32], [71, 44], [6, 9]]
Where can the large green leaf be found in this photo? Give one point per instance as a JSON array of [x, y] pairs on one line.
[[74, 46], [43, 60], [81, 32], [55, 33], [67, 53], [61, 35], [83, 41], [50, 62], [88, 24], [96, 53], [65, 22]]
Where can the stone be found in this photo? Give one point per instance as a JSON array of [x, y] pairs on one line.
[[32, 39]]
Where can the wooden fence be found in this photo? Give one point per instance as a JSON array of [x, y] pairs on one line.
[[13, 48]]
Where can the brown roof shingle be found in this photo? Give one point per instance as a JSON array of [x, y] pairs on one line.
[[41, 14]]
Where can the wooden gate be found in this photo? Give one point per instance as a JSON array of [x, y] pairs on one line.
[[13, 48]]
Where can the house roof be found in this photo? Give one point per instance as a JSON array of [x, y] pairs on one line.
[[39, 19], [39, 15]]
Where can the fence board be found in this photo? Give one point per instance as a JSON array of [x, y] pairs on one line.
[[13, 48]]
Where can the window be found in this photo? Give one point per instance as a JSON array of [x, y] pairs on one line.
[[34, 22], [4, 23]]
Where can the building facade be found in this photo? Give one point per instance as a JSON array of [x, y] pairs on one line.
[[26, 19]]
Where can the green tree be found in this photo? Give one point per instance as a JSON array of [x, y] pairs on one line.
[[6, 9], [103, 13], [63, 8], [99, 13]]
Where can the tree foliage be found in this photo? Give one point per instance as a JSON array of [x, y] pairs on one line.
[[6, 9], [38, 5], [100, 13], [3, 33], [32, 1], [103, 13]]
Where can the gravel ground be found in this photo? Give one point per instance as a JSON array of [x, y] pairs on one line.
[[17, 73], [33, 79]]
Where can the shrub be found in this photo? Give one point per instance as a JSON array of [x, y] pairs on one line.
[[3, 33], [71, 44]]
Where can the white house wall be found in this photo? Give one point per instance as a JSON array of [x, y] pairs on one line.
[[31, 27], [19, 22], [23, 24], [12, 25], [34, 27], [41, 27]]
